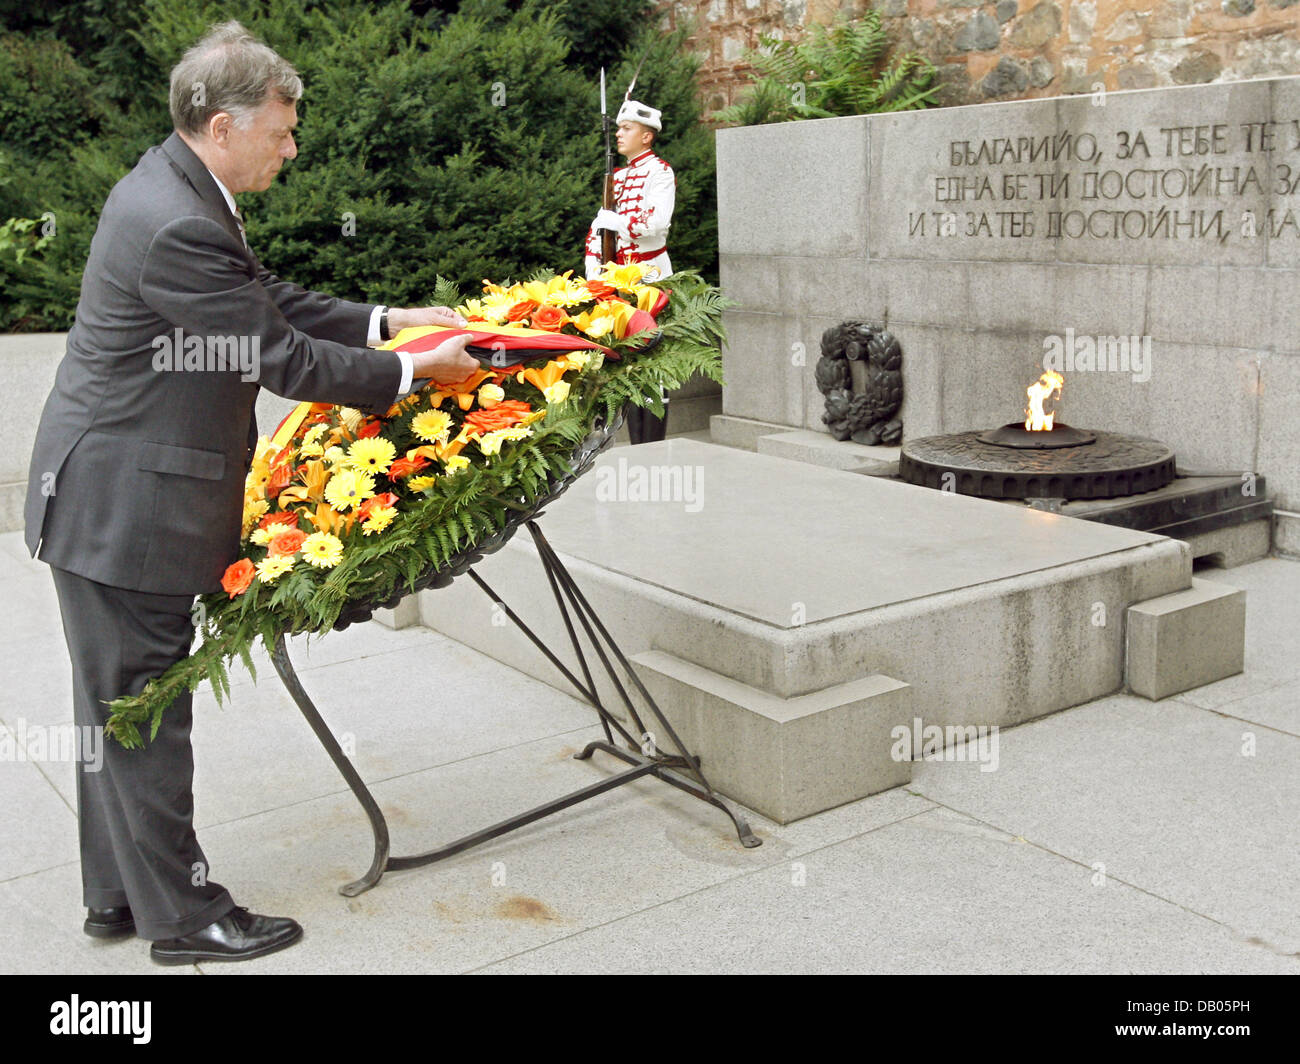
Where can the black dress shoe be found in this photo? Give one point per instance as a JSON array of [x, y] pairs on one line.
[[109, 923], [237, 936]]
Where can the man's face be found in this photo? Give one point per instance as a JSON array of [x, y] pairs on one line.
[[254, 155], [633, 138]]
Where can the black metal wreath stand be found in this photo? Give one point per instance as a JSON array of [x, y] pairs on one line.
[[680, 769]]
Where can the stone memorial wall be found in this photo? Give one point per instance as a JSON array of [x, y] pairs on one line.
[[1146, 244]]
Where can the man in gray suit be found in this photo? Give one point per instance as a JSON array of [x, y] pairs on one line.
[[136, 489]]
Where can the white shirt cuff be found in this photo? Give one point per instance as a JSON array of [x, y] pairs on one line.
[[408, 370], [373, 339]]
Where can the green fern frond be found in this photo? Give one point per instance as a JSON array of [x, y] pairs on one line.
[[831, 72], [445, 293]]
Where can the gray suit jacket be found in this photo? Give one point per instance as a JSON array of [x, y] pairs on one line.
[[137, 474]]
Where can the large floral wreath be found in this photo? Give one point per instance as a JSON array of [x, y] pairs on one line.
[[342, 507]]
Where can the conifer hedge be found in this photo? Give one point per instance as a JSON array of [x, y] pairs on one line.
[[459, 139]]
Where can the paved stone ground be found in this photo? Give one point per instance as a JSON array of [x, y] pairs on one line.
[[1118, 836]]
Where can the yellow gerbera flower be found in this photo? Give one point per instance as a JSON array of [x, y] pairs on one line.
[[421, 483], [310, 450], [491, 308], [274, 566], [261, 536], [349, 488], [566, 291], [259, 475], [373, 455], [322, 550], [253, 511], [316, 432], [432, 426], [495, 307], [454, 463], [380, 518]]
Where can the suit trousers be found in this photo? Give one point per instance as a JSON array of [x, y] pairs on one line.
[[136, 814]]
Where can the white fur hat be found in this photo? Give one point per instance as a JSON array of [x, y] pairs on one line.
[[635, 111]]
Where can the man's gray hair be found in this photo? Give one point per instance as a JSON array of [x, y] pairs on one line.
[[228, 70]]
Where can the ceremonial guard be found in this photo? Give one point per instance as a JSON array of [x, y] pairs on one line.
[[644, 192]]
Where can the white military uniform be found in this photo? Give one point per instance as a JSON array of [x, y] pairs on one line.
[[645, 191]]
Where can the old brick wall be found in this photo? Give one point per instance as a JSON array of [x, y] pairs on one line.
[[1021, 49]]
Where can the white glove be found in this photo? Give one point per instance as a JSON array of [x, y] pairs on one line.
[[609, 220]]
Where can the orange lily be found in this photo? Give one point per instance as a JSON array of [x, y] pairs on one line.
[[453, 447], [543, 378], [315, 476], [323, 518]]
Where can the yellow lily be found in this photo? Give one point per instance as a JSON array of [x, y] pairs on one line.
[[621, 313], [535, 290], [595, 322], [625, 278], [646, 297]]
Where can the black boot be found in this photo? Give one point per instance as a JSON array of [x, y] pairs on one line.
[[644, 427]]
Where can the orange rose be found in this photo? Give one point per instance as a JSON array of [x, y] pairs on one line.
[[521, 310], [288, 541], [237, 577], [280, 517], [600, 289], [506, 414], [549, 318]]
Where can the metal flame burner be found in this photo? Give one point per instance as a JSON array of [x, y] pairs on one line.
[[1016, 435], [997, 464]]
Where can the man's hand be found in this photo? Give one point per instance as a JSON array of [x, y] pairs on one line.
[[400, 318], [447, 363]]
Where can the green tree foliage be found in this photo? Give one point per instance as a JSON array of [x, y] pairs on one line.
[[830, 72], [434, 138]]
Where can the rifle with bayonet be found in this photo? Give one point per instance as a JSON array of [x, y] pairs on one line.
[[608, 238]]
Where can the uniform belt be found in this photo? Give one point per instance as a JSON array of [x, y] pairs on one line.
[[624, 257]]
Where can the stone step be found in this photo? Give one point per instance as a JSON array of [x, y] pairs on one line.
[[1180, 641], [818, 448], [784, 757], [792, 580]]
